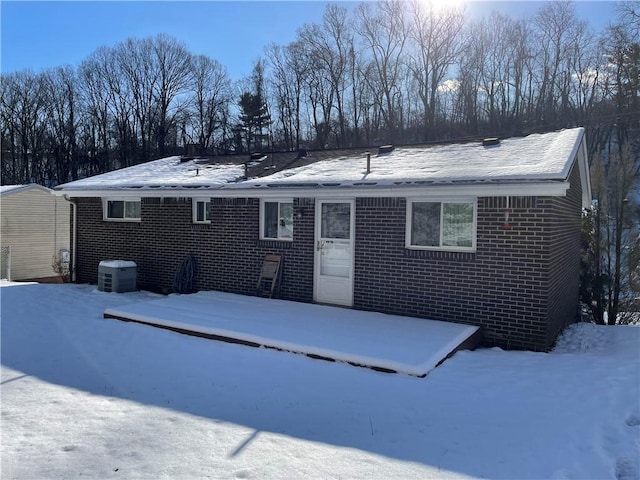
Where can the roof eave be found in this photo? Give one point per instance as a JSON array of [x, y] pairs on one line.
[[585, 176], [547, 188]]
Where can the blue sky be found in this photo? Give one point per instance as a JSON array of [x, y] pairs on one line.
[[39, 35]]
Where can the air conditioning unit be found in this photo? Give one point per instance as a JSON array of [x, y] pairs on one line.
[[117, 276]]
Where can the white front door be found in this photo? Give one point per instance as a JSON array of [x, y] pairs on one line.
[[333, 278]]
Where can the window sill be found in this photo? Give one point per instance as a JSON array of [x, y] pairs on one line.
[[262, 239], [440, 254], [272, 243], [200, 226], [123, 220], [441, 249]]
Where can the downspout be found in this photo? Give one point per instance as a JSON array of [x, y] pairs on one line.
[[74, 242], [55, 224]]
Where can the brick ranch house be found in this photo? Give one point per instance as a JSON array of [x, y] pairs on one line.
[[485, 233]]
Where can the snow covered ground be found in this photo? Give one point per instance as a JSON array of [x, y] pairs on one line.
[[84, 397]]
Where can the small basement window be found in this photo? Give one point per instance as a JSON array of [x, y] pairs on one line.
[[122, 210], [201, 210], [276, 219], [441, 225]]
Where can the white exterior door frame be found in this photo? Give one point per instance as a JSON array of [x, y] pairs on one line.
[[334, 247]]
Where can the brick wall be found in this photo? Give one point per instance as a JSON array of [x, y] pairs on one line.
[[520, 284], [501, 286], [564, 261], [98, 240], [228, 252]]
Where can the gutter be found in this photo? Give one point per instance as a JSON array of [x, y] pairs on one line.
[[553, 188]]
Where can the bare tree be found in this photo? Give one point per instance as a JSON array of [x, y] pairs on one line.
[[319, 93], [328, 48], [436, 35], [11, 165], [172, 62], [611, 286], [629, 18], [384, 30], [23, 104], [99, 111], [288, 65], [586, 73], [136, 64], [613, 282], [521, 53], [557, 28], [111, 104], [63, 108], [210, 99]]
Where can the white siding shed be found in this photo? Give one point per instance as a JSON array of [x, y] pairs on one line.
[[34, 227]]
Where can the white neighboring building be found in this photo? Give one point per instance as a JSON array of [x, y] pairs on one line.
[[34, 227]]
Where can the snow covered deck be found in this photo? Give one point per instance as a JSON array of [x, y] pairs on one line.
[[383, 342]]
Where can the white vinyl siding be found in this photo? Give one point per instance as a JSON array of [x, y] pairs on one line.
[[441, 225], [36, 225], [118, 210]]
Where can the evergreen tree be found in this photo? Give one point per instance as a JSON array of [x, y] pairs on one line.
[[255, 119]]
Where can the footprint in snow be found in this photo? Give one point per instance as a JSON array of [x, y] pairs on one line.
[[633, 420], [243, 474], [625, 469]]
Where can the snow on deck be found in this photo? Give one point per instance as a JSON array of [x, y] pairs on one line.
[[402, 344], [537, 157]]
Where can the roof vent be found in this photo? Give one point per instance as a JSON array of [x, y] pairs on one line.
[[487, 142], [383, 149]]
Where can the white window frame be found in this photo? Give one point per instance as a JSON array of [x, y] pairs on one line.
[[446, 248], [195, 202], [262, 217], [105, 209]]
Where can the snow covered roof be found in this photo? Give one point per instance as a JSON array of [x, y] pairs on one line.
[[539, 157], [165, 174], [11, 189], [8, 188], [540, 162]]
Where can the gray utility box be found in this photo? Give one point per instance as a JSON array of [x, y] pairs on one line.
[[117, 276]]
